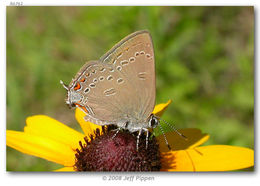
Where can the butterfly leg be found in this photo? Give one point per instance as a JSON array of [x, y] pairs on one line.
[[138, 138], [146, 139], [117, 130]]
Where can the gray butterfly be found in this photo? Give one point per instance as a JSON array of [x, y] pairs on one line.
[[119, 88]]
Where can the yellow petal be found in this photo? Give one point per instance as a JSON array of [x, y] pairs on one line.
[[87, 127], [160, 108], [65, 169], [194, 138], [41, 147], [208, 158], [48, 127]]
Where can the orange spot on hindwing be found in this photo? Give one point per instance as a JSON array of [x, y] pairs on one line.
[[82, 80], [84, 108], [77, 86]]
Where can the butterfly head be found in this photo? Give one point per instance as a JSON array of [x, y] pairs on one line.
[[73, 97]]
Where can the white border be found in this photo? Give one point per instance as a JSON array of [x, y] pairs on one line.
[[94, 178]]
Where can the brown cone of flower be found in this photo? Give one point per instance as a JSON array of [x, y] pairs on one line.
[[110, 152]]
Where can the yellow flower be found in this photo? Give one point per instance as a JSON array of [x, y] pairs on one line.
[[50, 139]]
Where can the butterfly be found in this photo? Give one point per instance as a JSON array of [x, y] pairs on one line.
[[120, 87]]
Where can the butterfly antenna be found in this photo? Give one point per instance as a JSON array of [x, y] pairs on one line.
[[165, 139], [65, 86], [174, 129]]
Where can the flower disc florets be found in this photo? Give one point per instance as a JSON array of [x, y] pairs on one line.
[[110, 152]]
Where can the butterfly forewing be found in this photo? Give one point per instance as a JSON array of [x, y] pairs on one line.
[[135, 55]]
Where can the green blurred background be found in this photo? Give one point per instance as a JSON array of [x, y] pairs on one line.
[[204, 63]]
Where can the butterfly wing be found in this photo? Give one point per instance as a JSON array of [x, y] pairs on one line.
[[134, 58], [120, 86]]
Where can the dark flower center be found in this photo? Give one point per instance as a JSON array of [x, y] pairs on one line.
[[110, 152]]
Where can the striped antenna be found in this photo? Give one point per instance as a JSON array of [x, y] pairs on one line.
[[165, 139], [174, 129]]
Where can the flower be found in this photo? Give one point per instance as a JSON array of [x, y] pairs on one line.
[[52, 140]]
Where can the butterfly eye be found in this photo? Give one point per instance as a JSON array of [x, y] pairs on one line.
[[153, 122]]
